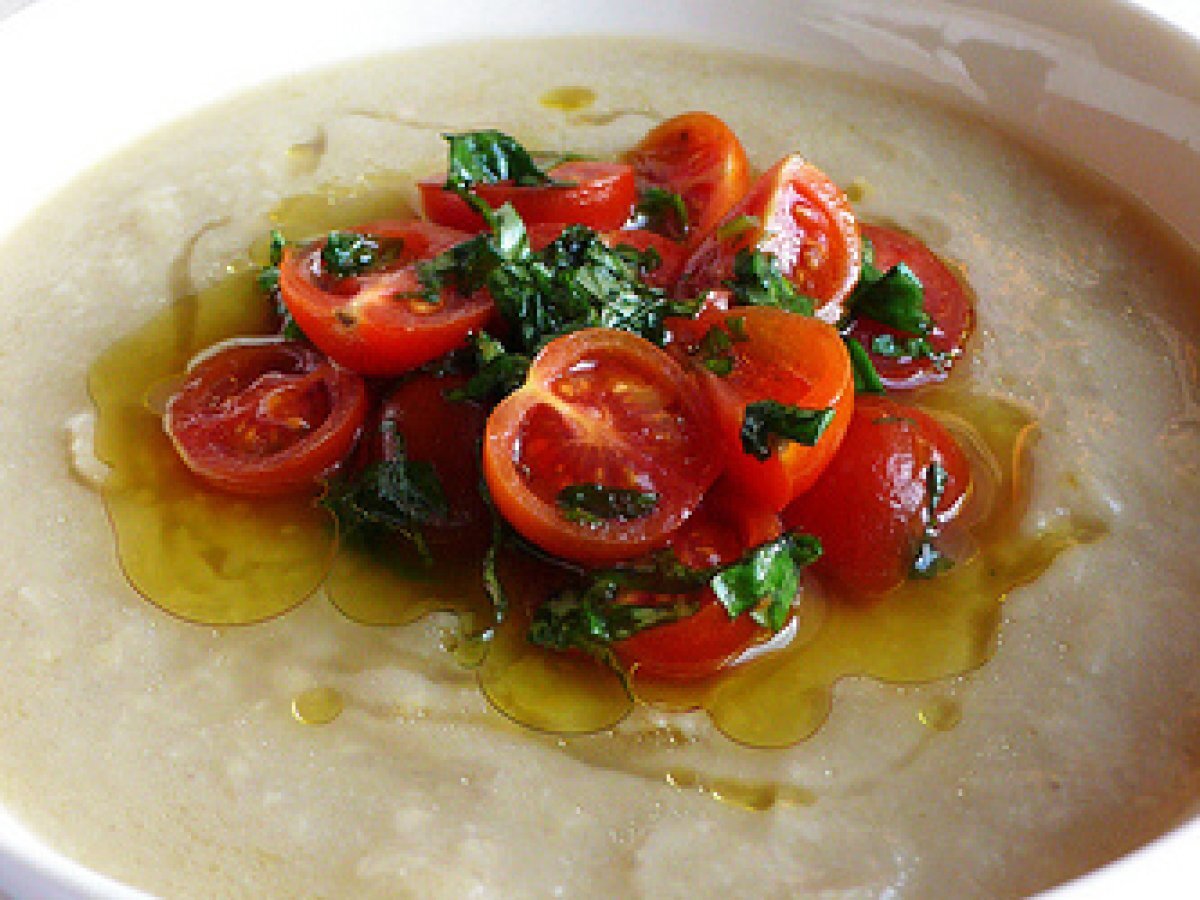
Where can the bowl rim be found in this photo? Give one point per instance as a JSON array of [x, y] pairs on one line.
[[1110, 37]]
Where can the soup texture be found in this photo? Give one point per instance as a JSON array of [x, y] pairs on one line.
[[313, 756]]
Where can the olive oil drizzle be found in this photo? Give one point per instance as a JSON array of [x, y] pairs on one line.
[[219, 560]]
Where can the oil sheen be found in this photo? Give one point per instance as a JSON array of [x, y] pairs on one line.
[[218, 560]]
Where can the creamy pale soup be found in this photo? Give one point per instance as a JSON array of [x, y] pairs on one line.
[[313, 756]]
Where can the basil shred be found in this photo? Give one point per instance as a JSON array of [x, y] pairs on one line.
[[577, 282]]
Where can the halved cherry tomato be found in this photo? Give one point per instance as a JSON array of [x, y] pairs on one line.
[[698, 157], [603, 408], [266, 418], [378, 323], [600, 195], [870, 507], [418, 418], [770, 355], [722, 530], [947, 301], [797, 214]]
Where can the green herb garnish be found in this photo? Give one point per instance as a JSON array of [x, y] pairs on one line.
[[663, 212], [758, 281], [866, 377], [486, 157], [347, 253], [929, 561], [766, 422], [594, 504], [764, 583]]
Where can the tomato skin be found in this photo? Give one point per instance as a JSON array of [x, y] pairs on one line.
[[265, 419], [698, 157], [420, 419], [599, 407], [364, 322], [947, 301], [601, 195], [870, 505], [800, 217], [786, 357], [721, 531]]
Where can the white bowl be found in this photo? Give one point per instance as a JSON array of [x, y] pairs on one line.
[[1117, 88]]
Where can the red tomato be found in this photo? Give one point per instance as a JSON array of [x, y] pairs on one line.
[[722, 530], [698, 157], [418, 417], [803, 219], [265, 419], [947, 301], [774, 355], [605, 408], [600, 195], [870, 507], [376, 323]]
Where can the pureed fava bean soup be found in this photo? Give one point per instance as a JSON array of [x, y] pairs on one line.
[[329, 751]]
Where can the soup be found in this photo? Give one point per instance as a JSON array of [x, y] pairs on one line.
[[314, 756]]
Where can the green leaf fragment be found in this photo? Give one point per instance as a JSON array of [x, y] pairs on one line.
[[766, 422]]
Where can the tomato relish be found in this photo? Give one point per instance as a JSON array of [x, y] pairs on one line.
[[652, 408]]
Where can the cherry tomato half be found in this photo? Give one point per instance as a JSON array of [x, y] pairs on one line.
[[600, 195], [797, 214], [265, 419], [947, 302], [769, 354], [608, 409], [698, 157], [870, 507], [377, 323], [721, 531]]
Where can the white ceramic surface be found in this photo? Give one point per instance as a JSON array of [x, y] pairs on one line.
[[1102, 80]]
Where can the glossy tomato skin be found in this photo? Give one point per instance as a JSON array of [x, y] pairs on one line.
[[869, 508], [779, 356], [948, 302], [419, 417], [723, 529], [797, 214], [697, 156], [267, 418], [671, 254], [601, 195], [607, 408], [377, 323]]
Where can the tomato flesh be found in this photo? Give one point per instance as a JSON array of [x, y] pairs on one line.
[[600, 195], [947, 302], [798, 215], [780, 356], [606, 408], [378, 323], [265, 419], [698, 157], [870, 507]]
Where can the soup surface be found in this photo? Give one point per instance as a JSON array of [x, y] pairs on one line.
[[312, 756]]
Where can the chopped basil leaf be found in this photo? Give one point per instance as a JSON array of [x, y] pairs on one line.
[[663, 211], [268, 283], [396, 495], [757, 281], [348, 253], [593, 504], [592, 620], [767, 421], [765, 581], [736, 227], [866, 378], [929, 561], [887, 345], [715, 349], [498, 372], [486, 157]]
